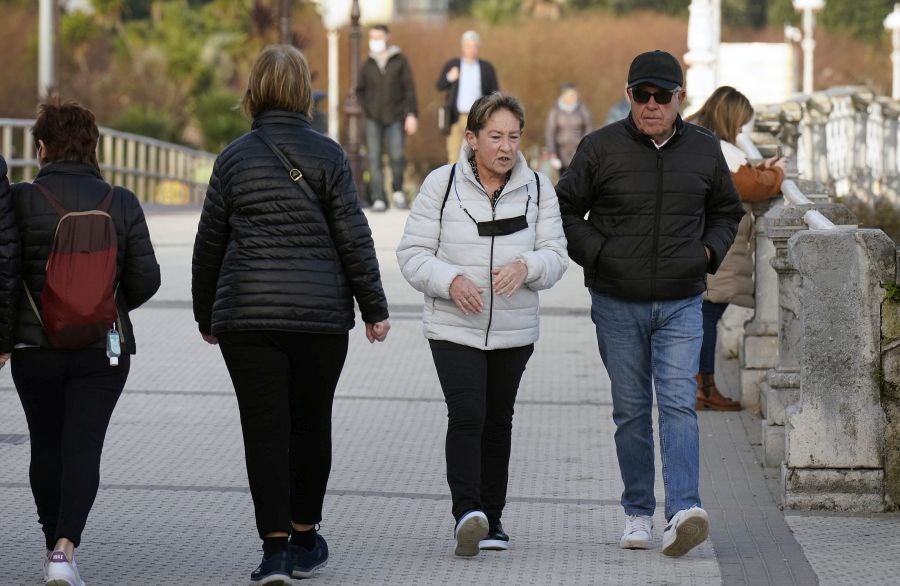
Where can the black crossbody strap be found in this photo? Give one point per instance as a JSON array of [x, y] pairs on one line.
[[294, 173], [447, 193], [538, 179]]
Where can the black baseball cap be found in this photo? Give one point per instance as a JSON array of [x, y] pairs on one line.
[[658, 68]]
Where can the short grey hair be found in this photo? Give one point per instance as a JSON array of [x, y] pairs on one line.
[[470, 36]]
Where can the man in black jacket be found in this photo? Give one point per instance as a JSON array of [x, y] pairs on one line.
[[388, 98], [465, 80], [661, 214]]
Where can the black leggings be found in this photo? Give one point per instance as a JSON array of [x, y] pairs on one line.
[[480, 388], [68, 397], [285, 383]]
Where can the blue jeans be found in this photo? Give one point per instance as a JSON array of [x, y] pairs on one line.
[[712, 313], [647, 344], [377, 134]]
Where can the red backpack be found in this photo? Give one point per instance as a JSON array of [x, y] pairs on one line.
[[78, 299]]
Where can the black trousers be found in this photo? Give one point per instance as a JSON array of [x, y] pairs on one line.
[[68, 397], [480, 388], [285, 382]]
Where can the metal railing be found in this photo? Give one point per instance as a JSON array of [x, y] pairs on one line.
[[156, 171]]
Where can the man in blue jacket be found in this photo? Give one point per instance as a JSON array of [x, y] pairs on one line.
[[661, 213]]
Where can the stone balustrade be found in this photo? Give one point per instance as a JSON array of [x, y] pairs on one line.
[[820, 358]]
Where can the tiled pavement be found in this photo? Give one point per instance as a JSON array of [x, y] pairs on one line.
[[174, 509]]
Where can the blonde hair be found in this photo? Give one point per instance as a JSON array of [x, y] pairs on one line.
[[279, 80], [485, 106], [724, 112]]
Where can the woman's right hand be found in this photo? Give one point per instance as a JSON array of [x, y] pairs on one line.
[[378, 331], [780, 162], [466, 295]]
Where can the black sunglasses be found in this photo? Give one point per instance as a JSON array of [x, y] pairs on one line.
[[662, 97]]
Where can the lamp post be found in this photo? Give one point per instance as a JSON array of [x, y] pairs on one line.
[[46, 35], [808, 8], [335, 15], [892, 23], [286, 21], [352, 109]]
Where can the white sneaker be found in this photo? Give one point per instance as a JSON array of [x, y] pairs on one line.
[[685, 531], [471, 529], [378, 206], [638, 532], [399, 199], [61, 572]]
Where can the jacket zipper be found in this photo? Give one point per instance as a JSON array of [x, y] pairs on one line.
[[490, 275], [659, 190]]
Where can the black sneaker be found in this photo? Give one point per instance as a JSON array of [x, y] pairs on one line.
[[274, 570], [307, 561], [496, 539]]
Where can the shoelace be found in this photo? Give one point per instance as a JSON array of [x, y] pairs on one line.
[[635, 523]]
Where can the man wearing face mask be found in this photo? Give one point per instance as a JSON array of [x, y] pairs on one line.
[[388, 97], [662, 212]]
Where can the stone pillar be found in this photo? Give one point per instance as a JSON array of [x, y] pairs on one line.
[[759, 349], [781, 387], [703, 49], [834, 435]]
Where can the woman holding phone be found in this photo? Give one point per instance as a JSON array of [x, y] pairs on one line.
[[725, 113]]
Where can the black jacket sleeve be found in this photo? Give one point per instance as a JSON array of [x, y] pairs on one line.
[[353, 241], [410, 104], [489, 82], [209, 250], [575, 191], [140, 277], [9, 263], [723, 213], [442, 83]]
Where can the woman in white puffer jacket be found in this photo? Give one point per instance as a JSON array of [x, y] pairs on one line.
[[483, 237]]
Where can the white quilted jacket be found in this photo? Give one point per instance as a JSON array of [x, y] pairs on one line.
[[433, 251]]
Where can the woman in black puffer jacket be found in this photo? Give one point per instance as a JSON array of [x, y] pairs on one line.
[[9, 265], [276, 268], [69, 393]]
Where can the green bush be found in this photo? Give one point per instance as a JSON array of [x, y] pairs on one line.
[[495, 11], [220, 121], [147, 121]]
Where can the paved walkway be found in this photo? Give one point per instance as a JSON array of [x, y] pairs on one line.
[[174, 508]]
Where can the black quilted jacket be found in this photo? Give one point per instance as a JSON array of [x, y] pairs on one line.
[[650, 211], [9, 262], [80, 187], [263, 256]]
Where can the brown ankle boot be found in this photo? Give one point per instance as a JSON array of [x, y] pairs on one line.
[[709, 397]]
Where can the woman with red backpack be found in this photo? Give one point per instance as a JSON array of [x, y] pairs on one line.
[[72, 339]]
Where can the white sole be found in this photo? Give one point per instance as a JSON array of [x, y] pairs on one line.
[[493, 545], [635, 544], [272, 581], [471, 530], [309, 574], [690, 533]]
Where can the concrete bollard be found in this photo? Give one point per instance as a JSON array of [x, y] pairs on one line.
[[835, 433]]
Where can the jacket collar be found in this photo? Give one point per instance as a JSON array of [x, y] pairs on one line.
[[636, 133], [282, 117], [68, 168], [521, 173]]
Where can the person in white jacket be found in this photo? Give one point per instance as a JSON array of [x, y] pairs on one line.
[[483, 237]]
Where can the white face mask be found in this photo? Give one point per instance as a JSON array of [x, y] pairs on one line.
[[377, 45]]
